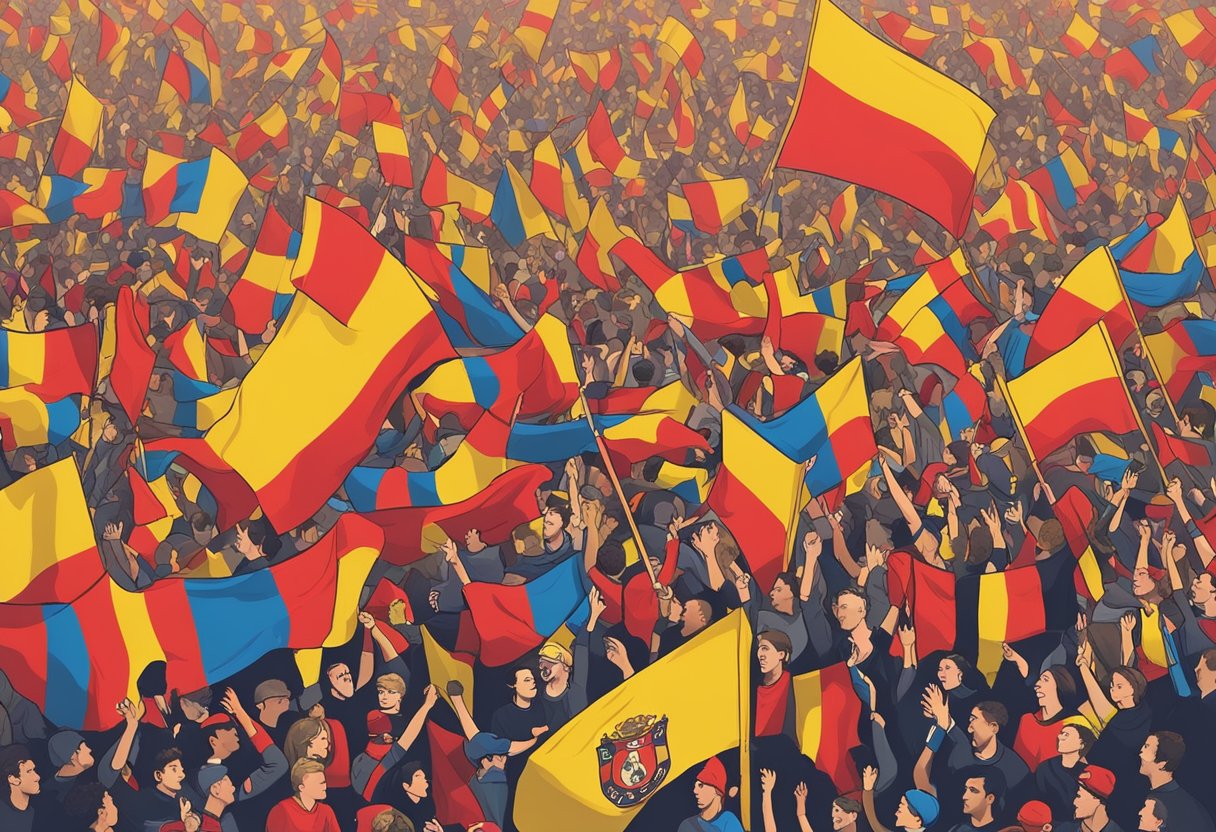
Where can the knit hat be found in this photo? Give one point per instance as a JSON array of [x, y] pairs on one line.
[[209, 775], [1034, 816], [923, 805], [270, 689], [714, 774], [62, 746], [378, 723], [484, 744]]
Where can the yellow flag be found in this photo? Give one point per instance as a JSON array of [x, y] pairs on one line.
[[598, 770]]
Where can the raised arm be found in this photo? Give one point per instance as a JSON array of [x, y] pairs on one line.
[[1202, 545]]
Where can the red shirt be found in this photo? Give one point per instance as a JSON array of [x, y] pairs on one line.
[[337, 773], [289, 816], [772, 702], [1036, 740]]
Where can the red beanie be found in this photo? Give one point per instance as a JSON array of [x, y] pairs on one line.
[[714, 774]]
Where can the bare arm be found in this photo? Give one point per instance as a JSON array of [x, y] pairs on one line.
[[414, 728]]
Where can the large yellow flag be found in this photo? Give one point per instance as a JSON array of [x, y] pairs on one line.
[[598, 770]]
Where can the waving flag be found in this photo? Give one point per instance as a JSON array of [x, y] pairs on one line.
[[1076, 390], [1081, 38], [1158, 259], [287, 63], [97, 193], [201, 54], [596, 69], [112, 44], [910, 37], [264, 288], [716, 203], [678, 45], [53, 364], [360, 322], [592, 258], [534, 26], [516, 213], [491, 107], [14, 102], [16, 211], [1063, 183], [827, 711], [993, 58], [1090, 293], [78, 131], [1135, 63], [1018, 208], [468, 315], [203, 193], [1185, 349], [906, 130], [1195, 31], [606, 148], [326, 80], [270, 128], [393, 153], [75, 660], [553, 184], [440, 186]]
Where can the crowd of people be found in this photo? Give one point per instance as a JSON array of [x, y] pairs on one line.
[[1104, 721]]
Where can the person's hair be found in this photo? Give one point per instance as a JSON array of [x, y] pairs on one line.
[[643, 371], [706, 608], [994, 712], [1171, 748], [854, 590], [789, 579], [562, 510], [979, 545], [409, 770], [83, 801], [826, 362], [848, 804], [11, 759], [960, 661], [301, 769], [392, 682], [1087, 735], [164, 757], [262, 535], [610, 559], [961, 451], [1208, 657], [1160, 811], [1066, 686], [1051, 535], [391, 820], [994, 783], [519, 668], [1135, 679], [201, 521], [780, 641], [1202, 417], [301, 734]]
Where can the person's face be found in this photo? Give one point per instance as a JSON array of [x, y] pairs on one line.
[[84, 756], [781, 595], [1121, 693], [1068, 741], [1085, 804], [224, 791], [226, 742], [525, 684], [950, 459], [1148, 757], [27, 780], [704, 794], [1142, 583], [1203, 589], [770, 658], [841, 818], [550, 670], [193, 711], [313, 786], [904, 816], [390, 700], [472, 538], [981, 730], [341, 681], [203, 536], [553, 523], [418, 785], [108, 813], [1148, 817], [949, 674], [975, 796], [1045, 689], [850, 612], [171, 776], [1204, 676], [318, 746]]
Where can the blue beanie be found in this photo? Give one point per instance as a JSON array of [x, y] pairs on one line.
[[923, 804], [62, 746]]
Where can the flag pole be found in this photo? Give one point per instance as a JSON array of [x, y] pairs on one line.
[[745, 722], [620, 494]]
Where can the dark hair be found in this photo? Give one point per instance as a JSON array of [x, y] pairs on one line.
[[848, 804], [1171, 748], [979, 545], [11, 759], [959, 660], [780, 641], [409, 770], [83, 801], [1087, 735], [201, 521], [1208, 657], [519, 668], [1066, 686], [610, 559], [1202, 417], [852, 589], [643, 371], [789, 579], [1135, 679], [262, 535], [166, 756], [562, 509], [826, 362], [994, 712], [1160, 811], [994, 782]]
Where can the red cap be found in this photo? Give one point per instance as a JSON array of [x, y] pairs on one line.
[[925, 492], [378, 723], [714, 774], [1100, 781], [221, 720], [1034, 816]]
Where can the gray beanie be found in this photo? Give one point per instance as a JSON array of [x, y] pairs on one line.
[[62, 746]]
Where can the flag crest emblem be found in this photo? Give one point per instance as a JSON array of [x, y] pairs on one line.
[[634, 760]]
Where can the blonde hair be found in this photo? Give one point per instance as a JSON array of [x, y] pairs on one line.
[[302, 768], [391, 681]]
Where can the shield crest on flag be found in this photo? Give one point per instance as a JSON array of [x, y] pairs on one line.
[[634, 760]]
